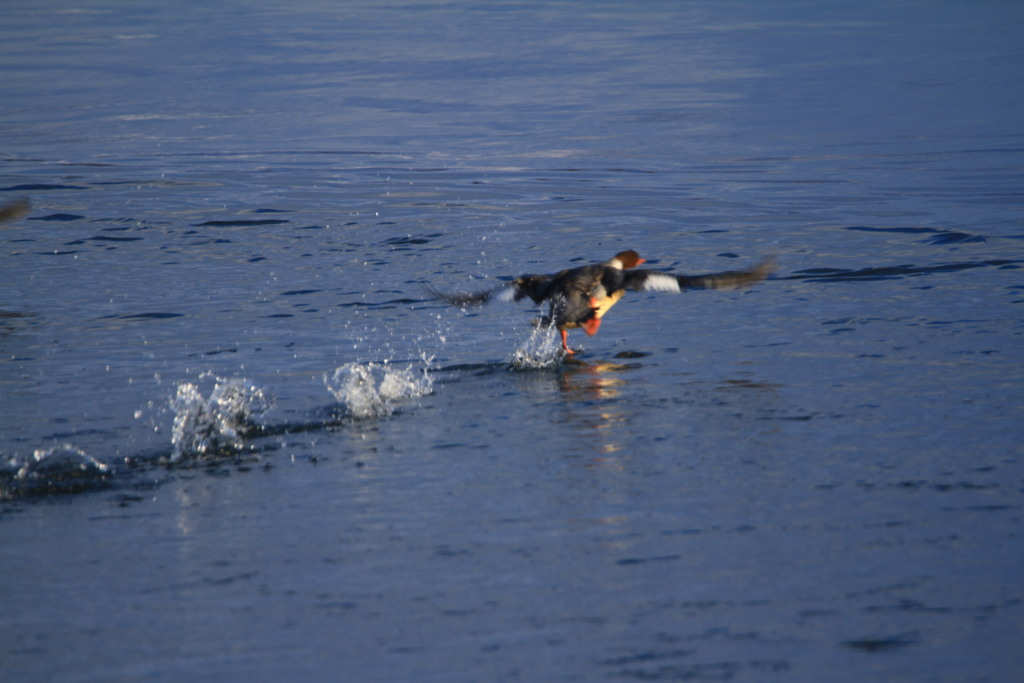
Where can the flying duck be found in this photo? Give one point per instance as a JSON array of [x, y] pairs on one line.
[[580, 297]]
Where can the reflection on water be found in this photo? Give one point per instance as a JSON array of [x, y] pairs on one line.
[[590, 390]]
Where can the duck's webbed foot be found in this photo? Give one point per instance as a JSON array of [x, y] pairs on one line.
[[565, 342]]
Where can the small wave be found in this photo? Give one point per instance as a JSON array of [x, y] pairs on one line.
[[112, 238], [38, 187], [938, 236], [541, 350], [61, 469], [241, 223], [372, 389], [410, 240], [892, 272], [217, 423], [61, 217], [158, 315]]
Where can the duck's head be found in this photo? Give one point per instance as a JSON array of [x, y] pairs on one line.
[[626, 259]]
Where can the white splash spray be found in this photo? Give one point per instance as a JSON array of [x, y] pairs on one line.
[[64, 460], [543, 349], [215, 424], [373, 389]]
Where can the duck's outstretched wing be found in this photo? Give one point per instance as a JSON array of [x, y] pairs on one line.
[[657, 281], [465, 300], [534, 286]]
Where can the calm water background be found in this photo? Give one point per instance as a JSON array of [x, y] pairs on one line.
[[238, 443]]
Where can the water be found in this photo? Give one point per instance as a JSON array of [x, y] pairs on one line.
[[238, 441]]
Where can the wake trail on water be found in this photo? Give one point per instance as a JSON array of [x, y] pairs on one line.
[[218, 418], [226, 420]]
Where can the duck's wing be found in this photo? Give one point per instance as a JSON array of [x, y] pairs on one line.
[[534, 286], [657, 281], [467, 299]]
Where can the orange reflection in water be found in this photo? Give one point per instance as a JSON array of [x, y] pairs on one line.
[[588, 385]]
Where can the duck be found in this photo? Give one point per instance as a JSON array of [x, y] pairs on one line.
[[581, 297]]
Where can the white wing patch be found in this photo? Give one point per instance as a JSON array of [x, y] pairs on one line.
[[661, 282], [506, 294]]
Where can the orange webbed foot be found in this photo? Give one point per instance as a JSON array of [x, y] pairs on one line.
[[565, 342]]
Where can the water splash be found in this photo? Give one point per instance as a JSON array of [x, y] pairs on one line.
[[372, 389], [61, 459], [217, 424], [61, 469], [543, 349]]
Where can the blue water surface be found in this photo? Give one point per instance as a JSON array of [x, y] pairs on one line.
[[239, 441]]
